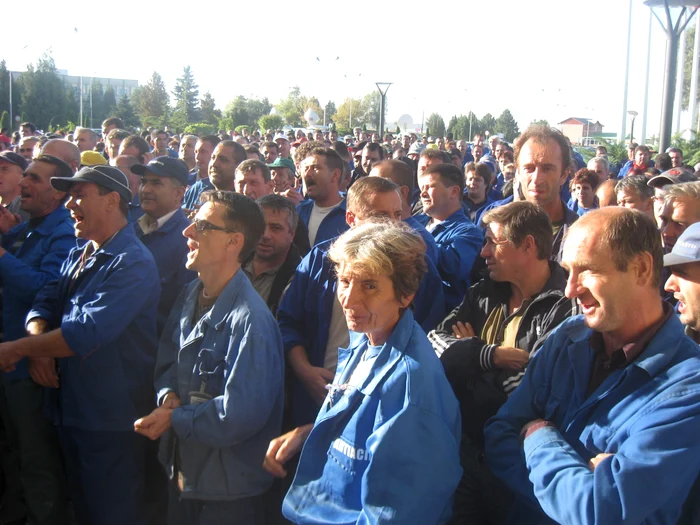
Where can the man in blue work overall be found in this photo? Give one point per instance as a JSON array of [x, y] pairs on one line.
[[99, 321]]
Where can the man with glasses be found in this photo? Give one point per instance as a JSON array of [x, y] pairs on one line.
[[219, 377], [26, 147], [98, 320]]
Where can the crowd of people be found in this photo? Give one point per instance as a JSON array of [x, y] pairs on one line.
[[263, 327]]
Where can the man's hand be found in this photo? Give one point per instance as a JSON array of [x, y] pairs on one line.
[[508, 358], [594, 462], [8, 220], [283, 448], [170, 401], [43, 371], [463, 330], [9, 356], [154, 424], [315, 379], [293, 195]]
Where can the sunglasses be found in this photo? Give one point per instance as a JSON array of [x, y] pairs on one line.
[[201, 226]]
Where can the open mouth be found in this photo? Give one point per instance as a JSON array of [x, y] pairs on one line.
[[77, 218]]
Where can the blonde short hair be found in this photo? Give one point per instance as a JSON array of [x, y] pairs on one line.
[[383, 248]]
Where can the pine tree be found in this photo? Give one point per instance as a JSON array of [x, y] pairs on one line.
[[151, 101], [186, 95], [208, 111], [125, 111], [44, 96]]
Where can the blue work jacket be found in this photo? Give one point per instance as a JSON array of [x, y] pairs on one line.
[[647, 415], [227, 368], [331, 226], [431, 248], [191, 199], [304, 315], [385, 445], [169, 249], [107, 316], [37, 261], [459, 242]]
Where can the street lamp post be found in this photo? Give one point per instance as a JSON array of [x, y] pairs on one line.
[[385, 86], [632, 114], [673, 32]]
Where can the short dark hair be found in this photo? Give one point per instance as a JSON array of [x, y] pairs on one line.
[[250, 148], [113, 121], [520, 219], [304, 150], [450, 175], [542, 134], [278, 203], [374, 147], [29, 125], [436, 154], [117, 133], [157, 132], [241, 214], [480, 169], [642, 148], [637, 184], [139, 143], [663, 161], [239, 153], [61, 168], [399, 173], [333, 160], [675, 150], [270, 145], [211, 139], [252, 165], [341, 149]]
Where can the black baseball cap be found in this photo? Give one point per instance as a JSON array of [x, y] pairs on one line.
[[14, 158], [164, 167], [106, 176]]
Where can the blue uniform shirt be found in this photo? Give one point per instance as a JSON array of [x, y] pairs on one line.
[[169, 249], [191, 200], [37, 260], [385, 445], [459, 242], [331, 226], [108, 318]]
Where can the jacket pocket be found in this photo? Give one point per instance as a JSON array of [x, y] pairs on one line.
[[208, 378], [345, 466]]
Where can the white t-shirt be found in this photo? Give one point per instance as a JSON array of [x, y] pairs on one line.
[[317, 215], [338, 336]]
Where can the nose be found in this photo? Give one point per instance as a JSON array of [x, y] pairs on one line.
[[189, 231], [573, 287], [672, 284], [485, 251], [23, 182], [70, 203], [348, 296]]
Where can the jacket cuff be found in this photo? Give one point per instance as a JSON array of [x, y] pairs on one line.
[[538, 437], [181, 421], [486, 357]]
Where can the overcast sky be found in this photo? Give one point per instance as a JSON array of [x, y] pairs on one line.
[[548, 59]]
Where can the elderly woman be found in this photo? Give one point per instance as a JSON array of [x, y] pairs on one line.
[[385, 444]]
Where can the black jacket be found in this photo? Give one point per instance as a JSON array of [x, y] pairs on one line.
[[468, 363]]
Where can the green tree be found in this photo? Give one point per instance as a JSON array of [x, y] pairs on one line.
[[331, 110], [371, 109], [207, 110], [273, 122], [94, 107], [539, 122], [436, 125], [186, 97], [151, 101], [290, 108], [5, 93], [488, 123], [109, 102], [343, 114], [44, 96], [125, 111], [256, 109], [237, 111], [506, 124]]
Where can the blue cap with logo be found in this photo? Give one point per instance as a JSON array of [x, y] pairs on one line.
[[164, 167], [687, 247]]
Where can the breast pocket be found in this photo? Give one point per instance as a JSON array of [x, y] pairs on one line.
[[345, 465], [208, 376]]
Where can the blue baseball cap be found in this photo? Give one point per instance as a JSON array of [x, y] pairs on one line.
[[164, 167], [687, 247]]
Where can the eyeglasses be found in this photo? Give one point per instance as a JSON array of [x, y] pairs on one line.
[[201, 226]]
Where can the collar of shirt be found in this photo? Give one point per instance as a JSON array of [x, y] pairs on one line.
[[623, 356], [148, 225], [250, 270]]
